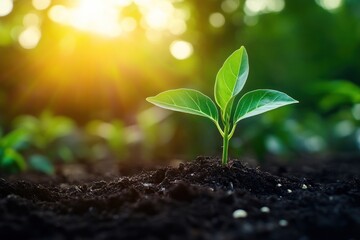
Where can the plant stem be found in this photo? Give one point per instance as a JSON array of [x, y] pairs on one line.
[[226, 138]]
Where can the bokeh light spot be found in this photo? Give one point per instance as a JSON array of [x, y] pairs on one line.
[[253, 7], [217, 20], [41, 4], [315, 143], [344, 128], [356, 111], [6, 7], [177, 27], [329, 4], [58, 13], [275, 5], [96, 16], [157, 17], [256, 7], [230, 5], [31, 19], [181, 49], [30, 37]]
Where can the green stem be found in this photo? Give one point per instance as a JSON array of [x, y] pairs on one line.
[[219, 128], [232, 131], [226, 139]]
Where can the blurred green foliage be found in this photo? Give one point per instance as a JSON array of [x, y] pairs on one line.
[[308, 49], [10, 145]]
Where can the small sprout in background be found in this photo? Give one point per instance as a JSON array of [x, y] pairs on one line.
[[113, 136], [46, 128], [11, 160], [335, 93], [33, 139], [229, 82], [41, 163]]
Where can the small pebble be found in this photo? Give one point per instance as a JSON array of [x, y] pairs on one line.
[[192, 174], [304, 186], [279, 185], [289, 191], [146, 184], [64, 185], [265, 209], [240, 213], [283, 223], [92, 209]]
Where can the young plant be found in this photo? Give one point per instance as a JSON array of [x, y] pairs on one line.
[[229, 82]]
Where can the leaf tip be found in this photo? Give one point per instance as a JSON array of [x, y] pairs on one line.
[[294, 100], [149, 99]]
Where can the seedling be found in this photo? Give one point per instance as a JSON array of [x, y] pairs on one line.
[[229, 82]]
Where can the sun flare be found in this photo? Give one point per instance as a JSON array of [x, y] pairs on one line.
[[107, 17]]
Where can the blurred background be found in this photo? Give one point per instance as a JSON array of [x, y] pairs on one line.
[[74, 76]]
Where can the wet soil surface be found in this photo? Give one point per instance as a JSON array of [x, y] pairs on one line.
[[197, 200]]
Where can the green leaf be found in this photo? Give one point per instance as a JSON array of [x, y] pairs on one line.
[[12, 157], [187, 101], [15, 139], [41, 164], [231, 79], [260, 101]]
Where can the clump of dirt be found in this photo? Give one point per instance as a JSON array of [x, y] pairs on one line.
[[197, 200]]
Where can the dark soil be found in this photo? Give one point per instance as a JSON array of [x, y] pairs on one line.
[[197, 200]]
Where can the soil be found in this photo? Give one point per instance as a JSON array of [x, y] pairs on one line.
[[197, 200]]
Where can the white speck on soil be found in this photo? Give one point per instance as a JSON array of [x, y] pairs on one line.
[[192, 174], [265, 209], [147, 184], [289, 191], [279, 185], [304, 186], [283, 223], [229, 192], [239, 213]]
